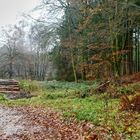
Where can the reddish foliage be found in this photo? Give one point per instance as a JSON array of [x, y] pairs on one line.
[[120, 52], [136, 103], [40, 124], [133, 104], [130, 78]]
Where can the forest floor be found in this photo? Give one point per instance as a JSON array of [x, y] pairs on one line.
[[28, 123], [35, 123], [66, 111]]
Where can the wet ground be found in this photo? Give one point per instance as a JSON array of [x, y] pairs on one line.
[[28, 123], [36, 123], [16, 125]]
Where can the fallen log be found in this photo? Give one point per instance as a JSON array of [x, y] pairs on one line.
[[102, 87], [11, 89], [9, 86], [8, 82]]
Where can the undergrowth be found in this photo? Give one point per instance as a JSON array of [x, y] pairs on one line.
[[29, 85], [97, 108]]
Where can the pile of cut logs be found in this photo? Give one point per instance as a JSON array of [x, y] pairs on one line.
[[9, 86]]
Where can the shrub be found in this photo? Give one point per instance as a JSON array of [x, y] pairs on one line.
[[126, 90], [2, 98], [130, 103], [29, 85], [69, 85]]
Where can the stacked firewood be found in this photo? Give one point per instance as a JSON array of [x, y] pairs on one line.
[[9, 86]]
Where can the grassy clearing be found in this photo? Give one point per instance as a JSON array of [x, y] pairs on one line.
[[99, 109]]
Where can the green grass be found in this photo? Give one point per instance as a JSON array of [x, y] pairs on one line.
[[64, 97], [90, 108], [29, 85]]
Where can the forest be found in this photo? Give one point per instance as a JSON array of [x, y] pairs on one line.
[[75, 71]]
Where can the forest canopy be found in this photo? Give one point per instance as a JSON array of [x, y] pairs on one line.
[[74, 40], [70, 70]]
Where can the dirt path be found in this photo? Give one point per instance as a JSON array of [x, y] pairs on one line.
[[15, 125], [27, 123], [34, 123], [10, 122]]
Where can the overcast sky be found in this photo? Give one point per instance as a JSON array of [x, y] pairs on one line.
[[10, 10]]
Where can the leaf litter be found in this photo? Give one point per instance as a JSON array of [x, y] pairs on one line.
[[37, 123]]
